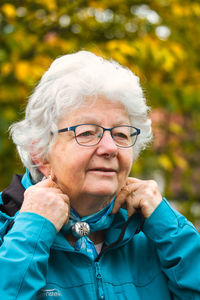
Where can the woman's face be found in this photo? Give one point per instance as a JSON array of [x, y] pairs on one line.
[[91, 176]]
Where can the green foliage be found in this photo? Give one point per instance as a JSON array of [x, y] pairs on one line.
[[157, 39]]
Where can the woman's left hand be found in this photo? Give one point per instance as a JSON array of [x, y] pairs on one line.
[[138, 195]]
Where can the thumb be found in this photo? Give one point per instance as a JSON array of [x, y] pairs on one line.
[[133, 180]]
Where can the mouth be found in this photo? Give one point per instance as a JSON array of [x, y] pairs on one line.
[[105, 171]]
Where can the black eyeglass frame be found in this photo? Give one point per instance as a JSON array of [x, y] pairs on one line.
[[73, 128]]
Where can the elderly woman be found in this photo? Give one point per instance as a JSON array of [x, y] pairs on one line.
[[75, 226]]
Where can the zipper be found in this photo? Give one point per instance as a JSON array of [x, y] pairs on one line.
[[100, 291]]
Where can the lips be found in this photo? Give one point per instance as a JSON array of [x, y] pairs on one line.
[[106, 170]]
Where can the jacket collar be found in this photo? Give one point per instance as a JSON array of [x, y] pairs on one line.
[[121, 230], [120, 233], [13, 196]]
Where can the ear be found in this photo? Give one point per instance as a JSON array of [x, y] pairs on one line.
[[43, 165]]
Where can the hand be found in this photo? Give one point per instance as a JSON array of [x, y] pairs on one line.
[[138, 195], [47, 200]]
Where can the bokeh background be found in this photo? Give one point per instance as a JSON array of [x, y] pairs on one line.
[[158, 39]]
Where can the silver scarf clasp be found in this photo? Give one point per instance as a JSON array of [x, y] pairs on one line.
[[80, 229]]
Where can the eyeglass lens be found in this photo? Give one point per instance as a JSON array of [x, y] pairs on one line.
[[90, 135]]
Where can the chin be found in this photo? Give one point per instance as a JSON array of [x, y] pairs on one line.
[[104, 192], [102, 189]]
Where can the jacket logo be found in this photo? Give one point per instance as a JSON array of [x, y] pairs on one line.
[[49, 293]]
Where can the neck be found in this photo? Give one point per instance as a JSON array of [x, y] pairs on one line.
[[89, 205]]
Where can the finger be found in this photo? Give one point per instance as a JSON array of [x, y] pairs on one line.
[[61, 198], [67, 218], [48, 182], [66, 199], [131, 209], [132, 184], [55, 190], [133, 187], [120, 199], [116, 207], [133, 180]]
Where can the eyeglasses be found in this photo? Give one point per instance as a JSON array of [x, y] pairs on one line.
[[89, 135]]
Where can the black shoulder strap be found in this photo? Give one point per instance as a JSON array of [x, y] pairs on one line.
[[13, 196]]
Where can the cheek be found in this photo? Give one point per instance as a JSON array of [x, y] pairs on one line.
[[70, 162], [127, 162]]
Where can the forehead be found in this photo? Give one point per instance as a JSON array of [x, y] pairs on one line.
[[97, 111]]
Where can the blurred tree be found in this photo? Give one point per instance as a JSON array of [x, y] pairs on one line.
[[157, 39]]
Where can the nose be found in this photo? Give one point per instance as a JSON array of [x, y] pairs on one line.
[[107, 146]]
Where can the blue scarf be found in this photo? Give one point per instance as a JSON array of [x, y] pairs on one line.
[[97, 221]]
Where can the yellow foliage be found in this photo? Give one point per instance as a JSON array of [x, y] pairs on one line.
[[127, 49], [165, 162], [50, 4], [166, 57], [112, 45], [176, 128], [161, 55], [9, 114], [176, 48], [186, 10], [98, 51], [181, 10], [31, 72], [9, 10], [6, 68], [9, 95], [42, 61], [122, 46], [142, 48], [97, 4], [195, 77], [196, 8], [177, 10], [23, 40], [180, 162], [118, 56], [169, 62], [23, 70], [39, 65]]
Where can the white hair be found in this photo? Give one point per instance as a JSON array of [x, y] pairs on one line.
[[65, 85]]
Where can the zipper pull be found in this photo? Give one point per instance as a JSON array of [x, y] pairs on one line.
[[100, 291]]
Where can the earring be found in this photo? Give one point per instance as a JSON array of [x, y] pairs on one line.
[[50, 175]]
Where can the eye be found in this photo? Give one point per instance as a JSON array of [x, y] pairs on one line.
[[120, 135], [87, 133]]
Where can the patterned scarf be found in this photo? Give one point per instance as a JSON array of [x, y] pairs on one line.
[[97, 221]]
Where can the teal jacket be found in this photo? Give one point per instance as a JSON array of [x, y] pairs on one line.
[[159, 262]]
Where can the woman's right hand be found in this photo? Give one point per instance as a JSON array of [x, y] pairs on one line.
[[47, 200]]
